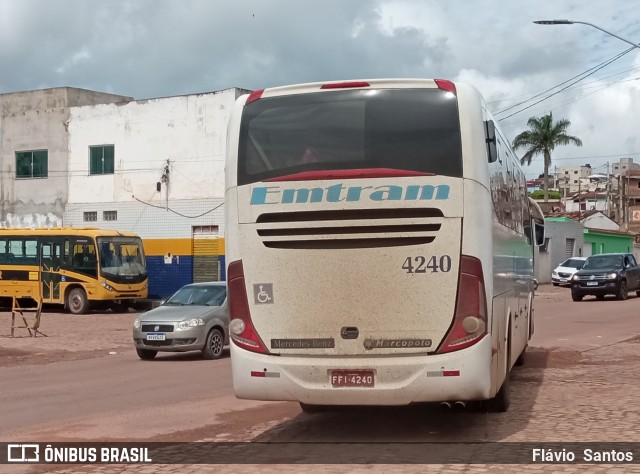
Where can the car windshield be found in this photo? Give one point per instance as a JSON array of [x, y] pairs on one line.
[[202, 295], [572, 263], [602, 261]]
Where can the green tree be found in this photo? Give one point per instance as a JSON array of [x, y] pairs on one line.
[[539, 194], [542, 138]]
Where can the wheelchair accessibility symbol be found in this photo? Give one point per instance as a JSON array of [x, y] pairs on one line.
[[263, 293]]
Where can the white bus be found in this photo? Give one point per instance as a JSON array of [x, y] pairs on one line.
[[379, 241]]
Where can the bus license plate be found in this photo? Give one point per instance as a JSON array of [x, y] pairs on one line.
[[352, 378], [155, 337], [592, 283]]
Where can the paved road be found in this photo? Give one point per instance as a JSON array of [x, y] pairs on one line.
[[562, 323], [579, 384]]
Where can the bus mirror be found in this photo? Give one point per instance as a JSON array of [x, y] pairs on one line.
[[539, 233], [537, 219], [490, 138]]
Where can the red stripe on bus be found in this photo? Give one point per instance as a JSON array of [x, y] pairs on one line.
[[349, 174]]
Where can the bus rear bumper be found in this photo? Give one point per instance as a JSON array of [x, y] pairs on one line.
[[463, 375]]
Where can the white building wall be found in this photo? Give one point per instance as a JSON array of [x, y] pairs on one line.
[[587, 204], [188, 131], [600, 221], [569, 178], [182, 138]]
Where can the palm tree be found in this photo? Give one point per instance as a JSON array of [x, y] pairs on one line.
[[541, 138]]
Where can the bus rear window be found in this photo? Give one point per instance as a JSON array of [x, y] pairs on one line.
[[405, 129]]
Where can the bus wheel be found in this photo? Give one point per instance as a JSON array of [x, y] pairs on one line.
[[146, 354], [77, 301], [522, 357], [502, 399], [312, 408], [213, 345]]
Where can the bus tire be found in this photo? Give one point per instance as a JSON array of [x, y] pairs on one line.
[[522, 357], [77, 301], [146, 354], [213, 345], [307, 408], [502, 400]]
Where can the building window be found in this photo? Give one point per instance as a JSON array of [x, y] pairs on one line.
[[110, 215], [32, 164], [101, 159], [91, 216]]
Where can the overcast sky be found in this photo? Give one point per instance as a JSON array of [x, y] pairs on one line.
[[159, 48]]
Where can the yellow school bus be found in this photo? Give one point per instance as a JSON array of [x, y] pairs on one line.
[[81, 268]]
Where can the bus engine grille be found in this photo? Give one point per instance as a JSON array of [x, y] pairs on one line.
[[348, 229]]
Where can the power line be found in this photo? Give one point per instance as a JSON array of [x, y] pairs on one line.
[[176, 212], [580, 77]]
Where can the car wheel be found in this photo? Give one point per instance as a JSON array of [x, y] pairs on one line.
[[77, 301], [146, 354], [576, 296], [213, 345], [638, 293], [622, 291], [556, 284]]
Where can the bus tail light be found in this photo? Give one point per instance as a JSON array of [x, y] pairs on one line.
[[470, 320], [255, 95], [344, 85], [241, 329], [446, 85]]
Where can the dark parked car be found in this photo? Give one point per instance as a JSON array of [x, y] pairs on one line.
[[606, 274]]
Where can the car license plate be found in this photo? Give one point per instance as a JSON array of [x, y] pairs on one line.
[[352, 378], [155, 336], [592, 283]]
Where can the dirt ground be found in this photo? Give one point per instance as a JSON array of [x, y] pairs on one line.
[[68, 337]]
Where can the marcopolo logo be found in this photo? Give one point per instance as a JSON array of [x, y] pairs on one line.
[[339, 192]]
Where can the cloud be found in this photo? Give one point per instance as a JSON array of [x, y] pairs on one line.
[[150, 48]]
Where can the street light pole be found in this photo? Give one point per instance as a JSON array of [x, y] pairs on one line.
[[571, 22]]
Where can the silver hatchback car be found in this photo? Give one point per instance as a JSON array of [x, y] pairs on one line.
[[194, 318]]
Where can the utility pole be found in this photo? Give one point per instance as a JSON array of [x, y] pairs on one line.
[[626, 203], [580, 193], [608, 185], [165, 180], [621, 198]]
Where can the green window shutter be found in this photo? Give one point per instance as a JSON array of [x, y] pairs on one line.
[[40, 164], [108, 159], [23, 164], [95, 160], [101, 159]]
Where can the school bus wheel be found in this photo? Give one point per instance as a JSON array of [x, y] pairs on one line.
[[77, 301]]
